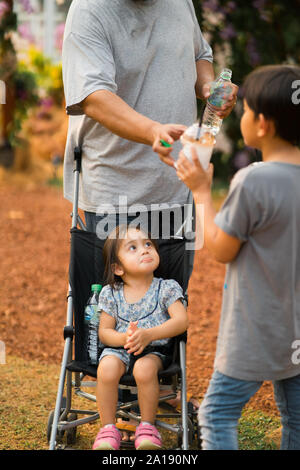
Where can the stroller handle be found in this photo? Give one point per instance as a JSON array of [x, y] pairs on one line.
[[77, 158]]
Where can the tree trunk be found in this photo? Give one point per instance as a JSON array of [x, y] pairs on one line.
[[6, 153]]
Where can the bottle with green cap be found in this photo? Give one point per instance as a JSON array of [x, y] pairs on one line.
[[91, 326], [220, 90]]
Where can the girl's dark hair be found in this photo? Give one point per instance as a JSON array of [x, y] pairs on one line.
[[111, 249], [271, 90]]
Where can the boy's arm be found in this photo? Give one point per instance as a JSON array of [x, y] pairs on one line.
[[177, 324], [224, 247], [107, 333]]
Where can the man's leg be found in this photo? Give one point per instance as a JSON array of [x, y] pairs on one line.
[[287, 396], [221, 409]]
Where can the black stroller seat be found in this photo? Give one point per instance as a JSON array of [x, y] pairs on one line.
[[86, 268]]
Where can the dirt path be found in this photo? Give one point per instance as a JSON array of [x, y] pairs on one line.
[[34, 253]]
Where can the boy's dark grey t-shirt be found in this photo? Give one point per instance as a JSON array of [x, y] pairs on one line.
[[260, 319], [146, 53]]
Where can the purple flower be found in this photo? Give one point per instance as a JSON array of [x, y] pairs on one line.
[[265, 16], [46, 103], [21, 94], [4, 8], [254, 55], [25, 32], [228, 32], [59, 35], [212, 5], [230, 7], [26, 5], [259, 4], [241, 159]]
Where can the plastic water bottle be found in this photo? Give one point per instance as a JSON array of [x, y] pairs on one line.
[[91, 323], [220, 89]]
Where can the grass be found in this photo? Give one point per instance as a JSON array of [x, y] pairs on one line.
[[258, 431], [28, 394]]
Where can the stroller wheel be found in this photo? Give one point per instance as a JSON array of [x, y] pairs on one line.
[[71, 432], [59, 434]]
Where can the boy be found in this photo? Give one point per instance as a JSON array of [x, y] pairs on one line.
[[257, 232]]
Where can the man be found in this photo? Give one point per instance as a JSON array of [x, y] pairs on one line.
[[132, 71], [130, 67]]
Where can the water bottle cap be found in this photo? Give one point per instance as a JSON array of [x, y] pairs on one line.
[[96, 287], [226, 74]]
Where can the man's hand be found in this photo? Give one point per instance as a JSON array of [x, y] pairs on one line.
[[169, 133], [226, 109]]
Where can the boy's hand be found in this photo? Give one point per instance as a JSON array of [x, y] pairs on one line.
[[138, 341], [193, 174]]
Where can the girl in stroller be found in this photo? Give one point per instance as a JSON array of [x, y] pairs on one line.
[[139, 315]]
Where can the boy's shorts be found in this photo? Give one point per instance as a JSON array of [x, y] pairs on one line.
[[129, 359]]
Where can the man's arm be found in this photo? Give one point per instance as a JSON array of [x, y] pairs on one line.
[[205, 75], [117, 116]]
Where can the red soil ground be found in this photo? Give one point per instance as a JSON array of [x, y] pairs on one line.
[[34, 253]]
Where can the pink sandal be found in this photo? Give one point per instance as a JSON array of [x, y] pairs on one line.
[[108, 438], [147, 437]]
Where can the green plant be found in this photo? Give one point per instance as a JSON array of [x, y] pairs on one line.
[[243, 36], [25, 86], [20, 81], [48, 75]]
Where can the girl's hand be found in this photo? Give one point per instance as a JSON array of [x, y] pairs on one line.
[[138, 341], [193, 174], [131, 329]]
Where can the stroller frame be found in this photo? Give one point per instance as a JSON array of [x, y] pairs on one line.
[[64, 418]]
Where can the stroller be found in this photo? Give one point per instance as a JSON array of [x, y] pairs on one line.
[[86, 269]]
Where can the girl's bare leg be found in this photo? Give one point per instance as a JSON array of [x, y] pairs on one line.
[[145, 373], [110, 370]]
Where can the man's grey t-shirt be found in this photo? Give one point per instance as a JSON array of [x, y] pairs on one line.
[[260, 317], [146, 53]]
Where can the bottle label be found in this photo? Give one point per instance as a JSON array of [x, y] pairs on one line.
[[89, 312], [219, 94]]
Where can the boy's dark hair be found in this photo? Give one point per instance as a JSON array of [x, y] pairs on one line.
[[269, 90], [111, 249]]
